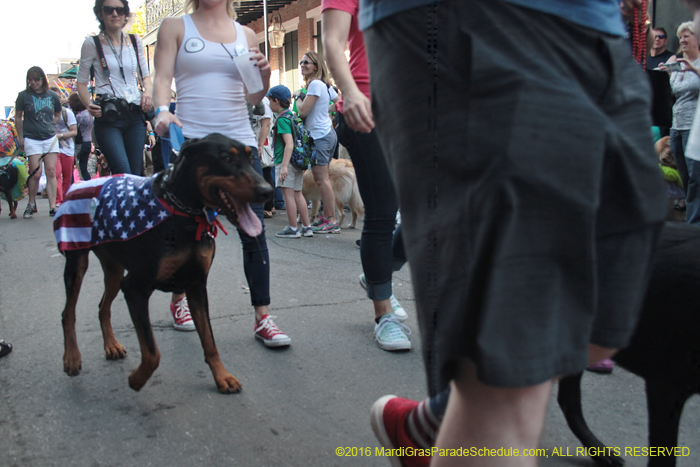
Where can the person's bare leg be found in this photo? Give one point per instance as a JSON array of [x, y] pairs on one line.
[[491, 417], [33, 182], [597, 353], [322, 179], [302, 208], [50, 167], [290, 203]]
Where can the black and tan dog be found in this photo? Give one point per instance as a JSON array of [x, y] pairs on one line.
[[9, 176], [175, 254], [664, 351]]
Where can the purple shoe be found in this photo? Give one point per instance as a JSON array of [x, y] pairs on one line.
[[604, 366]]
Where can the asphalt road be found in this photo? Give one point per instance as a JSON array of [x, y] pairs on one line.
[[298, 405]]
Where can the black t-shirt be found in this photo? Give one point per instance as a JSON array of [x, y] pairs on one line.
[[39, 110], [653, 62]]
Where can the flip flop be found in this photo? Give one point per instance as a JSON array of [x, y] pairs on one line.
[[4, 348]]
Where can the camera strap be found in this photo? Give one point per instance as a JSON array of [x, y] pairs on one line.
[[103, 62]]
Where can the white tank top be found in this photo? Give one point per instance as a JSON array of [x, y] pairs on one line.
[[210, 94]]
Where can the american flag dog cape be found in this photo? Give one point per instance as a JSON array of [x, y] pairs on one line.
[[108, 209], [113, 209]]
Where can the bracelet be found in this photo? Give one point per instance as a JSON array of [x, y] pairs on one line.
[[162, 108], [151, 133]]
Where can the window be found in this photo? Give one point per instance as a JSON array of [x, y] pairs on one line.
[[291, 60]]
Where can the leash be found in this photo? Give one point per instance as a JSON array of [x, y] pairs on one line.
[[4, 168], [55, 140]]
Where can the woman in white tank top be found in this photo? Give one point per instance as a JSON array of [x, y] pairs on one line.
[[197, 50]]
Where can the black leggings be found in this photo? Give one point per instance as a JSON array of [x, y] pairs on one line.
[[83, 157]]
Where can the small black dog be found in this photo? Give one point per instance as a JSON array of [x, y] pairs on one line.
[[664, 351], [9, 175], [175, 254]]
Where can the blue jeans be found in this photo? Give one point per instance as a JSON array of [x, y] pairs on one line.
[[122, 141], [678, 142], [256, 258], [379, 197], [83, 157]]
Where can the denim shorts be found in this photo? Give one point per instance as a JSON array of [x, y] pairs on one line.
[[325, 147]]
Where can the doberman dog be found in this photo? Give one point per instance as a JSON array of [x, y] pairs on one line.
[[211, 173], [9, 175], [664, 350]]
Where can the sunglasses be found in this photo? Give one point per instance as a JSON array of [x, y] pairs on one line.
[[306, 62], [660, 36], [35, 80], [108, 10]]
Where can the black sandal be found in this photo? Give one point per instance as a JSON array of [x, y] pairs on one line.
[[4, 348]]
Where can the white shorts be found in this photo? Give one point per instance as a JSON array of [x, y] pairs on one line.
[[34, 147], [294, 180]]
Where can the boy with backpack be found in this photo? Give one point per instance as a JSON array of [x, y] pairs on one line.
[[288, 177]]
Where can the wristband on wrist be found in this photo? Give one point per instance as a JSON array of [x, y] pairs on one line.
[[162, 108], [151, 133]]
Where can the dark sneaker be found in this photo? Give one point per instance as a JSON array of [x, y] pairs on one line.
[[52, 212], [29, 212], [267, 331], [388, 418], [5, 348], [288, 232], [307, 231]]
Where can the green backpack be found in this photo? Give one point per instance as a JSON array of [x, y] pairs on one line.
[[304, 153]]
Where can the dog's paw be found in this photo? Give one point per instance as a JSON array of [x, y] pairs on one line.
[[114, 351], [229, 385], [72, 364]]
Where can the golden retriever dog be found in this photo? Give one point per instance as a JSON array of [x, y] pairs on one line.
[[345, 189], [663, 150]]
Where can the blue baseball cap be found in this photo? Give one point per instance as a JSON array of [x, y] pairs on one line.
[[280, 92]]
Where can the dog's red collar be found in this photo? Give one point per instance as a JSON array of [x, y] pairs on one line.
[[203, 224]]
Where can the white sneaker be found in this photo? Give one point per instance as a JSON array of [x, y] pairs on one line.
[[391, 335]]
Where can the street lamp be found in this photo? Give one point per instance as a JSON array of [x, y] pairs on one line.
[[276, 31]]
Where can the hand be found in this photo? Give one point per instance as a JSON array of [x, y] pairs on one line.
[[357, 111], [163, 121], [284, 171], [95, 110], [151, 140], [146, 102], [688, 66], [262, 63]]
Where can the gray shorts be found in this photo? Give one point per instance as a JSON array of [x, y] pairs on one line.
[[529, 189], [325, 147]]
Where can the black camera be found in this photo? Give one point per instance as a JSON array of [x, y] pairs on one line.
[[110, 107]]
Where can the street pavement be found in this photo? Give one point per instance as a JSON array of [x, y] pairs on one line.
[[298, 405]]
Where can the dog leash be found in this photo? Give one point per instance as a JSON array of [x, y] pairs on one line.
[[55, 139]]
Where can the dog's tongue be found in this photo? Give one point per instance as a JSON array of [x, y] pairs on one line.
[[247, 220]]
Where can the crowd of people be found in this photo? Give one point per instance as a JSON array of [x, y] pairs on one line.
[[510, 214]]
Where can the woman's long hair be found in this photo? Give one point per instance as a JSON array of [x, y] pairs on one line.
[[75, 103], [192, 5], [37, 73], [322, 72]]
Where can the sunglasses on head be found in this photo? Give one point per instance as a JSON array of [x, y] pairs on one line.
[[660, 36], [306, 62], [108, 10]]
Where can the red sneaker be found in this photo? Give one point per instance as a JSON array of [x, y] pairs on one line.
[[388, 418], [267, 331], [182, 320]]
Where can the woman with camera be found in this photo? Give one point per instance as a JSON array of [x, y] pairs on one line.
[[119, 109]]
